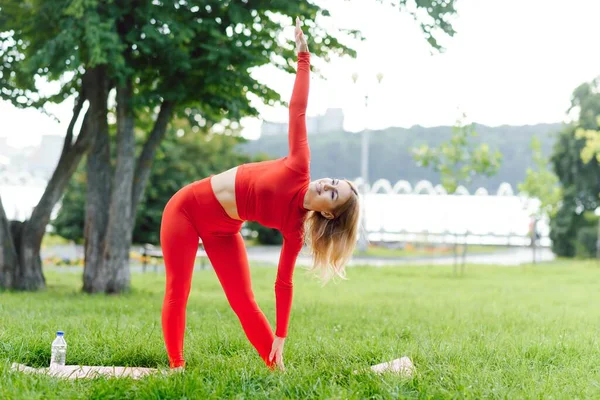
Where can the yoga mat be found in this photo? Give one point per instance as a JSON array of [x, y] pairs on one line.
[[85, 371]]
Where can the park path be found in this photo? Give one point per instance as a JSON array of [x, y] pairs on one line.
[[269, 255], [508, 257]]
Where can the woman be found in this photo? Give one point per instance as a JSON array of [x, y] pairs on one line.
[[277, 194]]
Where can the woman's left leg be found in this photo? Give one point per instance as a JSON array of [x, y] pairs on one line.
[[228, 257]]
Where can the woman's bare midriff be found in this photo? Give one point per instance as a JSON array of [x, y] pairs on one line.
[[223, 185]]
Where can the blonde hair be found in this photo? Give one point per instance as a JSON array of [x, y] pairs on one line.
[[332, 241]]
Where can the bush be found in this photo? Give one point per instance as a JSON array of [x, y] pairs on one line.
[[563, 228], [265, 235], [585, 245]]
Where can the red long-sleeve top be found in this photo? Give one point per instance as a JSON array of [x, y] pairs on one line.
[[272, 193]]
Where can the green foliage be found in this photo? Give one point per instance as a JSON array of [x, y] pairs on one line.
[[585, 246], [54, 40], [457, 160], [564, 225], [541, 182], [265, 235], [587, 236], [578, 178], [69, 222], [196, 54], [587, 99], [573, 172], [592, 143]]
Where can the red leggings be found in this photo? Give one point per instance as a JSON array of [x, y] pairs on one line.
[[194, 212]]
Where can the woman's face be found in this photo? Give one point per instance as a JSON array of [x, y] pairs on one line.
[[328, 194]]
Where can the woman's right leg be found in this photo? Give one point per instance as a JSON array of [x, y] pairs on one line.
[[179, 241]]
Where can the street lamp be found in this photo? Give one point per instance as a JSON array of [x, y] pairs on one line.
[[364, 166]]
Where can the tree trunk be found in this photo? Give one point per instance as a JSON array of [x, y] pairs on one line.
[[144, 163], [129, 185], [120, 227], [95, 277], [29, 275], [108, 234], [20, 261], [23, 268], [8, 253]]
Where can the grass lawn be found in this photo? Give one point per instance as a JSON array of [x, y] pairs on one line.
[[496, 332]]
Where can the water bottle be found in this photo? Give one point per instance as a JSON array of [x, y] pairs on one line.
[[59, 351]]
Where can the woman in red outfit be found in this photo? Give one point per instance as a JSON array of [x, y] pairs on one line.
[[278, 194]]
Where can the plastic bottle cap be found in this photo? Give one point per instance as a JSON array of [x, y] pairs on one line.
[[60, 333]]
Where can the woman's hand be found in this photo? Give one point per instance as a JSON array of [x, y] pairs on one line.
[[277, 352], [301, 45]]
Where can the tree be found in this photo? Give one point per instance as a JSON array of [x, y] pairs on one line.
[[457, 160], [542, 183], [578, 174], [587, 98], [20, 261], [183, 58], [592, 143], [34, 44]]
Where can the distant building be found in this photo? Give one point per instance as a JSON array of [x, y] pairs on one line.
[[44, 159], [331, 121], [5, 149], [273, 129], [38, 161]]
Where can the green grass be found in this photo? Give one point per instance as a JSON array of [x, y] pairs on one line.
[[496, 332]]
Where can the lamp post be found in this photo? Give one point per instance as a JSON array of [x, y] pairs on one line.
[[364, 166]]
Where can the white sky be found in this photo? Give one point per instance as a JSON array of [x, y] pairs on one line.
[[511, 62]]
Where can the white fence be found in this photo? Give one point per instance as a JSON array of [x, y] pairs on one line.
[[427, 214]]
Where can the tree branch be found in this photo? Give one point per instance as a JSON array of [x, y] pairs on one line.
[[67, 165], [76, 111], [144, 162]]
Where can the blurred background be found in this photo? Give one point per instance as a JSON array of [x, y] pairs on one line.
[[470, 127]]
